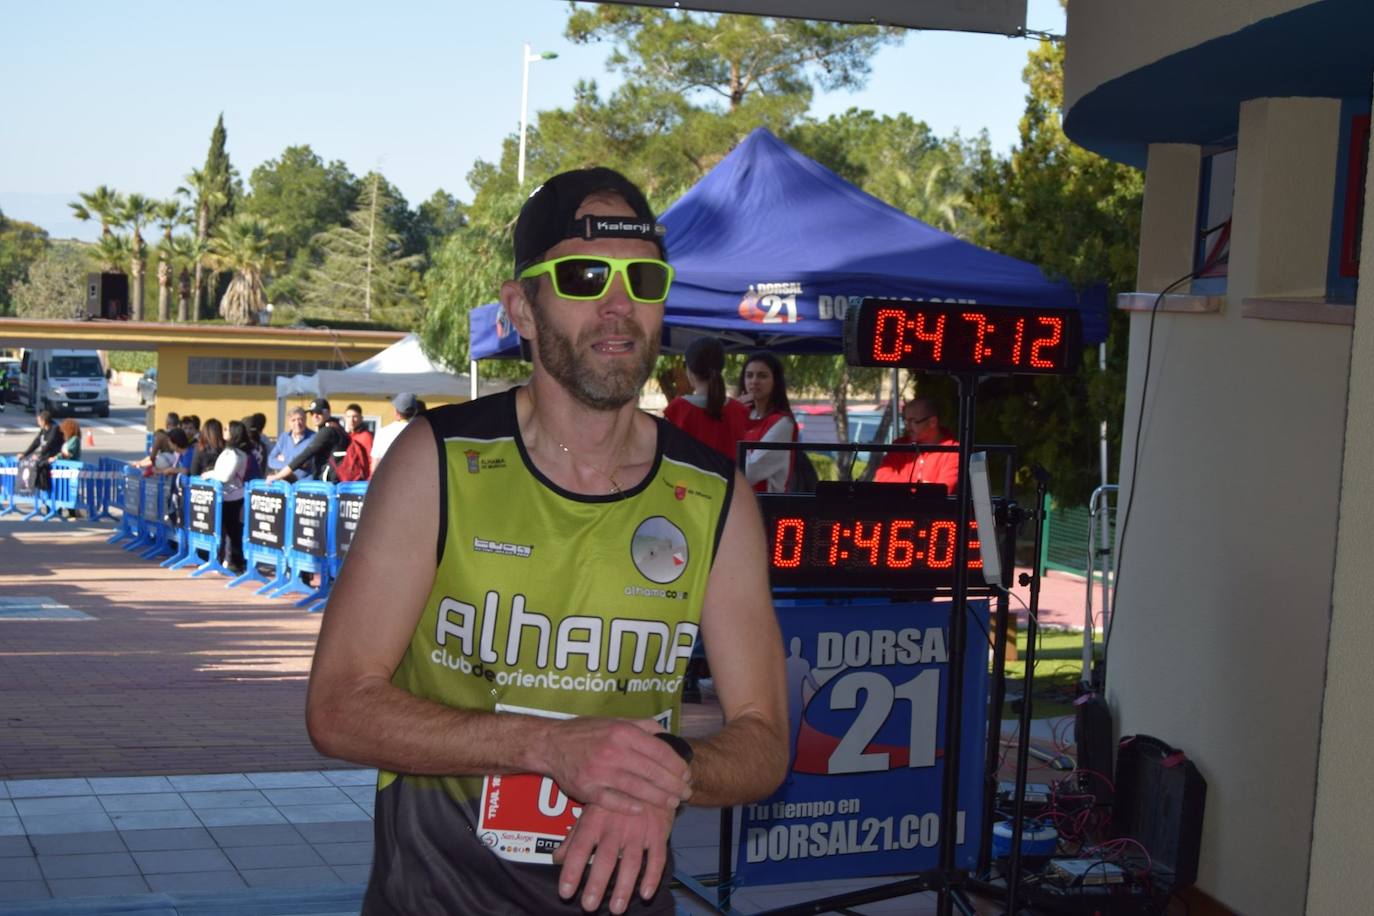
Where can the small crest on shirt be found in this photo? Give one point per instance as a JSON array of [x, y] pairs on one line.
[[680, 491], [472, 455]]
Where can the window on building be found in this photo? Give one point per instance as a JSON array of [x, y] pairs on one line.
[[221, 370], [1347, 216], [1217, 190]]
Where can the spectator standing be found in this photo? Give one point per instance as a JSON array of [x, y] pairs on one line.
[[764, 386], [47, 442], [172, 422], [230, 468], [314, 456], [921, 421], [356, 429], [71, 442], [160, 454], [256, 449], [289, 444], [405, 406], [707, 414], [208, 448]]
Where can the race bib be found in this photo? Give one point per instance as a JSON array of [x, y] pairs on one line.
[[525, 817]]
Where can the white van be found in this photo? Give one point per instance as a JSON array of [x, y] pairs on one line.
[[65, 382]]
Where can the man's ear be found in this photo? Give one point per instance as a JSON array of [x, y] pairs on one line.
[[519, 310]]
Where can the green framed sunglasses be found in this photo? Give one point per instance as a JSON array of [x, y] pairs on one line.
[[581, 276]]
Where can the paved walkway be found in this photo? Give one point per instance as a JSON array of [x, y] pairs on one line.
[[154, 753]]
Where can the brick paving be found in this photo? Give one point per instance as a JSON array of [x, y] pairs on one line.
[[172, 676]]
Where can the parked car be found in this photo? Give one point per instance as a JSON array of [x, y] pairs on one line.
[[147, 386], [816, 423]]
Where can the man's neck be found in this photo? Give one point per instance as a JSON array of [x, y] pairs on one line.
[[579, 447]]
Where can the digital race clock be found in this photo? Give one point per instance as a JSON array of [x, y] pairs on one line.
[[954, 338], [893, 541]]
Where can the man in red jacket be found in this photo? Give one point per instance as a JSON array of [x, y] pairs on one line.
[[922, 422]]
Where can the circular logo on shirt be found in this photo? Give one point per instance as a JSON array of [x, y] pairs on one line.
[[659, 550]]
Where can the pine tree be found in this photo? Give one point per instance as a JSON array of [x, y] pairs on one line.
[[363, 267]]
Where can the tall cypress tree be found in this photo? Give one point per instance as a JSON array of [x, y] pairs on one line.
[[216, 202]]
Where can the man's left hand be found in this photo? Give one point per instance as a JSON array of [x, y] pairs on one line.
[[618, 843]]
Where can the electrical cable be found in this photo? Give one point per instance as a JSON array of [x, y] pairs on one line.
[[1125, 516]]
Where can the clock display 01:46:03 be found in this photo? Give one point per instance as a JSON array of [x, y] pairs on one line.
[[916, 544]]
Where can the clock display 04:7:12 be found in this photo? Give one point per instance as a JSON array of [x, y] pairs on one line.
[[918, 544]]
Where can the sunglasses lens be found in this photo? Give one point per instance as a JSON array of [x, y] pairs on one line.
[[648, 280], [582, 278]]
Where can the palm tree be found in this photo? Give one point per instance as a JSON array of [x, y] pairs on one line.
[[169, 215], [103, 204], [189, 251], [243, 244], [111, 253], [136, 213], [200, 190]]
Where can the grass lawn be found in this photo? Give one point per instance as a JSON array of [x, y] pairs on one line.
[[1058, 669]]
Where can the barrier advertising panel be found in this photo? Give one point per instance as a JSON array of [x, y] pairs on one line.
[[267, 519], [309, 523], [866, 693], [350, 510], [202, 508]]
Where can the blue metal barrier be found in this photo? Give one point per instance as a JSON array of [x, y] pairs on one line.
[[65, 490], [350, 508], [310, 538], [9, 469], [266, 507], [204, 512], [179, 537], [152, 504], [131, 499], [109, 487]]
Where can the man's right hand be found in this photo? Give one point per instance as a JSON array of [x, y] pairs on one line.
[[615, 763]]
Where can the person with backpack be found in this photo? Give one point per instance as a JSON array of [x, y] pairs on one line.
[[328, 454]]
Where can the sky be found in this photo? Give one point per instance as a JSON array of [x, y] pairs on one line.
[[127, 94]]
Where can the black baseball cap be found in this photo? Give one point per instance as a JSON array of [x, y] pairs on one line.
[[319, 405], [547, 216]]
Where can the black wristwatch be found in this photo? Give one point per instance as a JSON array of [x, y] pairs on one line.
[[680, 745]]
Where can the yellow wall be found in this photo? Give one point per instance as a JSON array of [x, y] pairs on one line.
[[231, 402]]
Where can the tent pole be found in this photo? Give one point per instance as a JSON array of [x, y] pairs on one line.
[[472, 378]]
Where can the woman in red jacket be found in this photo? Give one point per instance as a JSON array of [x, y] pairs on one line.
[[707, 415], [764, 386]]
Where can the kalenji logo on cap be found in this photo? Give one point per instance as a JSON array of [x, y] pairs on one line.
[[605, 225]]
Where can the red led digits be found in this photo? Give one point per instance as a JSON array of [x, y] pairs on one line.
[[981, 350], [1056, 335], [1020, 336], [834, 543], [975, 548], [935, 338], [941, 552], [869, 543], [887, 335], [788, 534], [901, 549]]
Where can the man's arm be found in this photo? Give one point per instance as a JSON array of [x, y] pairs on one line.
[[747, 759], [744, 761], [354, 712], [321, 441]]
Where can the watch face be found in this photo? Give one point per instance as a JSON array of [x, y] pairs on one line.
[[955, 338]]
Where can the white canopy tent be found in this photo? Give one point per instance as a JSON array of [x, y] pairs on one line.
[[403, 366]]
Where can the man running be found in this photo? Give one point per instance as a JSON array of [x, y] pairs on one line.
[[508, 638]]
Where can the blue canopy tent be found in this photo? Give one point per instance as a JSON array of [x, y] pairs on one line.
[[771, 248]]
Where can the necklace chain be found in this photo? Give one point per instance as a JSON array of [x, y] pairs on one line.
[[619, 456]]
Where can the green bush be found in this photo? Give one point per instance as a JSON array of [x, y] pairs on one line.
[[133, 360]]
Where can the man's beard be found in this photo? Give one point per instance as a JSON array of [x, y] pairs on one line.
[[567, 361]]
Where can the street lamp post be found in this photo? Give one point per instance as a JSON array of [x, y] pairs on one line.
[[527, 57]]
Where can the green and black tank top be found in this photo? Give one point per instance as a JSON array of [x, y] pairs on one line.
[[549, 603]]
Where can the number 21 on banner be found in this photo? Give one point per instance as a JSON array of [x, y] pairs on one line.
[[921, 696]]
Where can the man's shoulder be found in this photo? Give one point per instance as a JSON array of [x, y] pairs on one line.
[[682, 448], [489, 417]]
